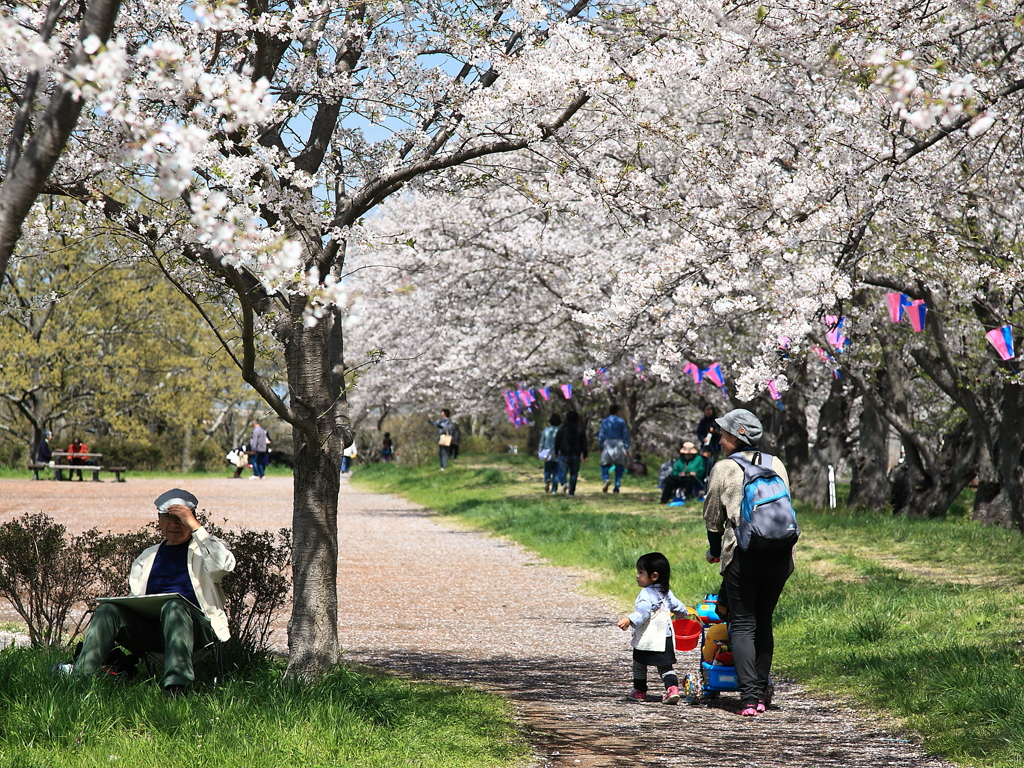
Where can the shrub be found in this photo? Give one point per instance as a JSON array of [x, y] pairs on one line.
[[43, 574], [256, 591], [208, 455], [134, 454]]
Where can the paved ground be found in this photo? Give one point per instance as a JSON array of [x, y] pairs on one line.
[[433, 602]]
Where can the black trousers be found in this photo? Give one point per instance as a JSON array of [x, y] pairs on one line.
[[691, 486], [754, 583]]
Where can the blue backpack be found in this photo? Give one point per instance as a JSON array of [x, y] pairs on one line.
[[767, 518]]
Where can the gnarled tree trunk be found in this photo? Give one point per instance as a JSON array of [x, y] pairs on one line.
[[869, 485]]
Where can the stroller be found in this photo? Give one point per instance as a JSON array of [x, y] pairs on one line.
[[714, 672]]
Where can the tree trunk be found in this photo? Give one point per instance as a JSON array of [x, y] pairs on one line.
[[313, 392], [186, 449], [1000, 496], [792, 434], [829, 445], [870, 487], [929, 492]]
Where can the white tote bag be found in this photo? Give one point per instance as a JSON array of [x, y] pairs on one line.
[[651, 635]]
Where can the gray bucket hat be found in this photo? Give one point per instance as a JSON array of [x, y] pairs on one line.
[[743, 424], [175, 496]]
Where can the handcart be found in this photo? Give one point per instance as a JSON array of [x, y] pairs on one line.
[[713, 673]]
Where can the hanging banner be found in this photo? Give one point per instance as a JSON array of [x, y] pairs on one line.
[[918, 311], [567, 391], [639, 368], [1002, 340], [714, 374], [835, 336], [545, 392], [898, 302], [694, 371]]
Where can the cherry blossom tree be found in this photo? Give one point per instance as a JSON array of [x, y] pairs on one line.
[[240, 147], [39, 117]]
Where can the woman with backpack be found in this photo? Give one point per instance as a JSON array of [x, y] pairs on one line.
[[754, 566]]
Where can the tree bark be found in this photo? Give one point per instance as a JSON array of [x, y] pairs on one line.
[[793, 437], [317, 444], [1000, 496], [869, 486], [929, 492], [829, 445]]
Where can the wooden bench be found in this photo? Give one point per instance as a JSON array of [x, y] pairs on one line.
[[58, 469]]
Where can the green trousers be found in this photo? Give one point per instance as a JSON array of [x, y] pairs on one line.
[[181, 628]]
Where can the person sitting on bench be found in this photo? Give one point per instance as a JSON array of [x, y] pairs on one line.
[[190, 562]]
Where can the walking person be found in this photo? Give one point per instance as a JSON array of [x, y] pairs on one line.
[[652, 576], [687, 475], [259, 450], [613, 442], [546, 453], [347, 455], [444, 436], [753, 579], [571, 449], [387, 448]]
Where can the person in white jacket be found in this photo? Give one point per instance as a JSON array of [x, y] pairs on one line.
[[189, 562]]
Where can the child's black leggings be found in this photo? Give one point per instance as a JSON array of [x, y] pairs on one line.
[[668, 676]]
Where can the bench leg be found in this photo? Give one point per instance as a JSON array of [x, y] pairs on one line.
[[117, 476], [36, 473], [95, 475]]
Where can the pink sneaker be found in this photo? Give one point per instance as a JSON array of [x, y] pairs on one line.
[[748, 712], [638, 696], [760, 707], [671, 695]]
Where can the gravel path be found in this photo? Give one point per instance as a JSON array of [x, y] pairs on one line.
[[429, 601]]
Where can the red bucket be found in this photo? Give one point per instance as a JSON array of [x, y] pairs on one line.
[[687, 632]]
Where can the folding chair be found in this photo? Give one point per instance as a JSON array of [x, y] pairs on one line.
[[215, 648]]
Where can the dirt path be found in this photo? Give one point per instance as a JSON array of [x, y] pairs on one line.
[[433, 602]]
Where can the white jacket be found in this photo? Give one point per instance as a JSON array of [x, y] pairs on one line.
[[209, 561]]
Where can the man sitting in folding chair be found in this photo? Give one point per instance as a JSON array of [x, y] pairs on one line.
[[687, 478], [189, 562]]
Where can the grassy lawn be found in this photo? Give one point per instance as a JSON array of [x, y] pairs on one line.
[[920, 620], [350, 718]]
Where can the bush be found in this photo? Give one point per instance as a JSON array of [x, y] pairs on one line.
[[208, 455], [257, 590], [134, 454], [43, 574]]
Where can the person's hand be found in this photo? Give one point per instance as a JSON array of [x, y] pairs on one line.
[[624, 623], [184, 514], [711, 558], [584, 458]]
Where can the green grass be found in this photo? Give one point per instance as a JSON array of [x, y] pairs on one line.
[[349, 718], [919, 620]]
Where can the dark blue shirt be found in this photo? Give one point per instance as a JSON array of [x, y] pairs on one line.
[[170, 572]]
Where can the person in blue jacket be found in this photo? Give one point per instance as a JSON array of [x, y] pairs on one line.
[[613, 442]]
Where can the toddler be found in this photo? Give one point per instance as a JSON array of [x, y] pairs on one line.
[[652, 576]]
